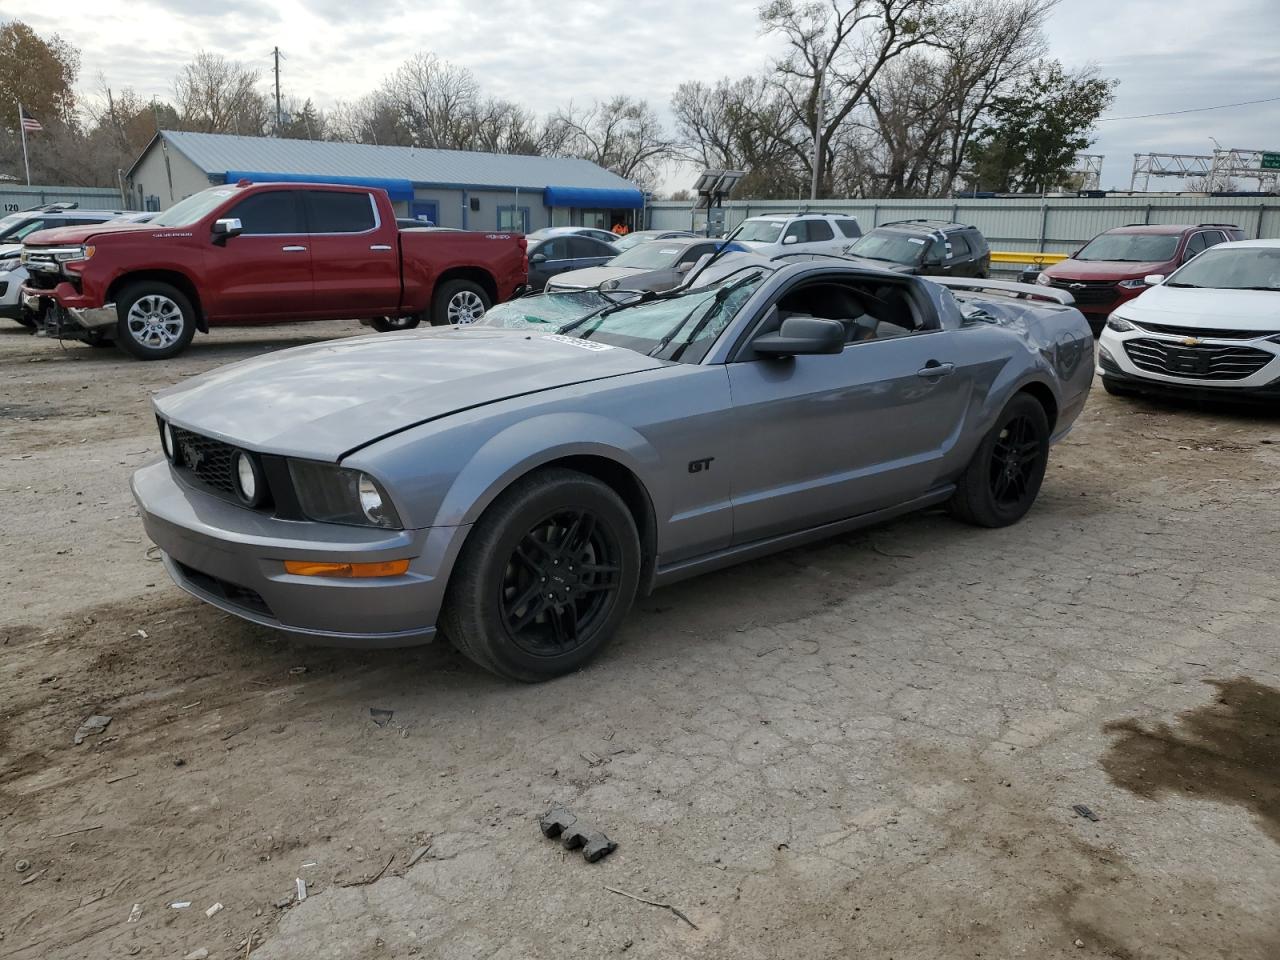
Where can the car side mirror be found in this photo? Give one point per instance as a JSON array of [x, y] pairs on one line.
[[800, 336], [684, 267], [791, 239], [538, 258], [225, 229], [1153, 279]]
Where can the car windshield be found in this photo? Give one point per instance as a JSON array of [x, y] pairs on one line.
[[1232, 268], [14, 228], [188, 211], [891, 247], [649, 256], [681, 327], [551, 310], [760, 231], [633, 240], [1131, 247]]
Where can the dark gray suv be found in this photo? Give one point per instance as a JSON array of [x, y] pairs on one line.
[[929, 248]]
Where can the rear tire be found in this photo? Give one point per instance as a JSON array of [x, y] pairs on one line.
[[391, 324], [156, 320], [458, 303], [545, 578], [1003, 478]]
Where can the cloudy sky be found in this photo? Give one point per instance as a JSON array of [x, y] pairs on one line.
[[1168, 54]]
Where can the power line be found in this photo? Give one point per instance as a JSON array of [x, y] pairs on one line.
[[1174, 113]]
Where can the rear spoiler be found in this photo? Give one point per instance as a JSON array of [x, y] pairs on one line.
[[1011, 287]]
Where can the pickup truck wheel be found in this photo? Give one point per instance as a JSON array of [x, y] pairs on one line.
[[156, 320], [388, 324], [458, 303], [545, 578], [1002, 481]]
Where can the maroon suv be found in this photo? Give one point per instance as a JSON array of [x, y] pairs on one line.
[[1109, 269]]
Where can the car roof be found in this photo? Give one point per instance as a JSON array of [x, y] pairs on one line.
[[1163, 228], [925, 226], [75, 214], [1265, 244], [798, 216]]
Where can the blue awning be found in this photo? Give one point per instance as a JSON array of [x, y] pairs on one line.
[[593, 198], [396, 189]]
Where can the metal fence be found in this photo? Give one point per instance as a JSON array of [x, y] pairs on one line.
[[1052, 225], [14, 197]]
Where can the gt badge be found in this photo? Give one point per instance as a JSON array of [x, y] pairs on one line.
[[698, 466]]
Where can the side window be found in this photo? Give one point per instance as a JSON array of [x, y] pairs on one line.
[[977, 243], [959, 245], [557, 249], [820, 230], [272, 212], [1212, 238], [937, 250], [1194, 245], [697, 252], [331, 211], [795, 229], [849, 228], [581, 247]]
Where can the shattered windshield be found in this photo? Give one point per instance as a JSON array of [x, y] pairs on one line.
[[680, 326]]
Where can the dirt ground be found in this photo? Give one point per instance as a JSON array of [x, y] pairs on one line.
[[869, 748]]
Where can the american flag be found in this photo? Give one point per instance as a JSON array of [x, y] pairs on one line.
[[29, 123]]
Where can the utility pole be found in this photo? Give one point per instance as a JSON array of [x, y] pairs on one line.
[[819, 109], [277, 55]]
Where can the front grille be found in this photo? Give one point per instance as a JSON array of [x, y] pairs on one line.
[[1200, 362], [232, 593], [4, 287], [1205, 333], [207, 459], [1088, 292]]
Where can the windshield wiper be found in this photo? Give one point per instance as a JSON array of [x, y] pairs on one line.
[[1193, 286], [1268, 289], [718, 299]]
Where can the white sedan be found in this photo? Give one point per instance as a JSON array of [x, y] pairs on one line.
[[1212, 327]]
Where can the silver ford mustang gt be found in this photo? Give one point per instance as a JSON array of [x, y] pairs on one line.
[[515, 483]]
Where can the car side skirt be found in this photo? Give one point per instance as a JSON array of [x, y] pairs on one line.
[[675, 572]]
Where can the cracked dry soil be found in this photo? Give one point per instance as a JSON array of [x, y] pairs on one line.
[[866, 748]]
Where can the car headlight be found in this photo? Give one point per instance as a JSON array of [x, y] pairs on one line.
[[1043, 279], [70, 254], [1137, 284], [166, 441], [9, 263], [1119, 324], [333, 494]]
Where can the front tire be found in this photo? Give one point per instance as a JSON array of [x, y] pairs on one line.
[[390, 324], [458, 303], [1003, 478], [545, 578], [156, 320]]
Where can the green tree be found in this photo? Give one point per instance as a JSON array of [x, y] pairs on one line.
[[39, 73], [304, 123], [1032, 135]]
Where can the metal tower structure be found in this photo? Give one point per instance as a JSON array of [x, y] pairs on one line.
[[1088, 166], [1219, 167]]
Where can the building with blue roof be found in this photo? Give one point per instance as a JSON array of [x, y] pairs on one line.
[[450, 188]]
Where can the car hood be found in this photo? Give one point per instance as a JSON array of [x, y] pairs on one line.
[[1208, 309], [326, 400], [61, 236], [1104, 269], [592, 277], [882, 264], [9, 250]]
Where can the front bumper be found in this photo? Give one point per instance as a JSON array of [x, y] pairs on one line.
[[1116, 367], [233, 558], [70, 318]]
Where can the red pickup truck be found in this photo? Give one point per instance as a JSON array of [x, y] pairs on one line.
[[257, 254]]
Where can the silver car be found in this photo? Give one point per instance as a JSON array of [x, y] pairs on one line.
[[517, 482], [656, 265]]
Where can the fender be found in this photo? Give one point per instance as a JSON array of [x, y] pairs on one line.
[[522, 448]]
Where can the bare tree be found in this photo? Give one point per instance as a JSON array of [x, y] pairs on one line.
[[216, 95], [837, 49], [435, 101], [621, 134]]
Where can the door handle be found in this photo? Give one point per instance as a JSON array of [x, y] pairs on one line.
[[293, 248], [933, 370], [380, 246]]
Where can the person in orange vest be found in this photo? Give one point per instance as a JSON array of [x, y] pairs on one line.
[[620, 229]]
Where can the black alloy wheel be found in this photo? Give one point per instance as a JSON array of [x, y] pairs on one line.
[[1013, 461], [559, 582], [545, 577], [1004, 475]]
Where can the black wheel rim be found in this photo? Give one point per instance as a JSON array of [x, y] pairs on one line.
[[1014, 460], [560, 582]]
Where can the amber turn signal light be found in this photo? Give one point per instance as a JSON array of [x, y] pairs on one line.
[[317, 568]]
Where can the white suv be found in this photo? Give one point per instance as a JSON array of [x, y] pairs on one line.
[[798, 233]]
